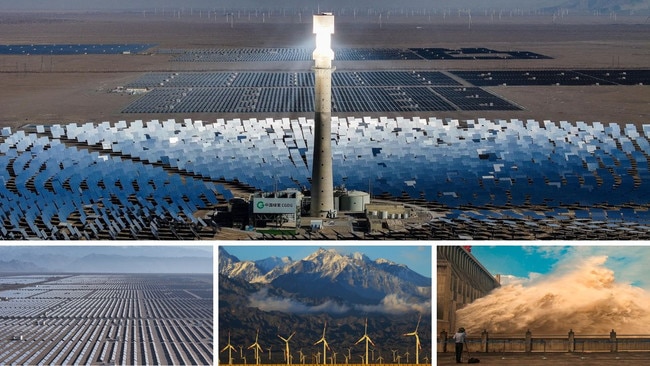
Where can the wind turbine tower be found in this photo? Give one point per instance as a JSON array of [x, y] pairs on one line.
[[256, 346], [287, 354], [325, 345], [367, 339], [230, 348], [418, 346], [322, 181]]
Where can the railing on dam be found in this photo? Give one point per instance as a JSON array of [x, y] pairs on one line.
[[528, 342]]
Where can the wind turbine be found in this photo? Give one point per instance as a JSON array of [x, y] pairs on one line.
[[325, 345], [286, 351], [256, 346], [269, 349], [367, 339], [302, 356], [418, 346], [230, 348]]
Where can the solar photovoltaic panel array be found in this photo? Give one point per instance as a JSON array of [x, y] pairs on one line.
[[72, 49], [555, 77], [257, 92], [346, 54]]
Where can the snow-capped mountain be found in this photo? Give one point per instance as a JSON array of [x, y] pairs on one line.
[[268, 264], [327, 274], [232, 267], [345, 291]]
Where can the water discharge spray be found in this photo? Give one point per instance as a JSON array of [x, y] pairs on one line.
[[584, 297]]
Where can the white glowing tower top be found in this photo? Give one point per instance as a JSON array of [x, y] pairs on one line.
[[323, 28]]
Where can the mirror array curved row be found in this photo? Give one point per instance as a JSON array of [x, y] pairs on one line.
[[527, 169], [47, 187]]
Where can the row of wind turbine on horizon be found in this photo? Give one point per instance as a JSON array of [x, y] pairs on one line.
[[348, 358]]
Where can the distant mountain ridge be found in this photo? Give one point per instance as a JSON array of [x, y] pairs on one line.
[[109, 259], [264, 298], [329, 275], [18, 266]]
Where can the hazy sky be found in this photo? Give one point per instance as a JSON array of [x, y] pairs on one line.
[[417, 258], [207, 4], [629, 262]]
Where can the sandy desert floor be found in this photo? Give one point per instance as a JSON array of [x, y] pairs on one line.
[[62, 89]]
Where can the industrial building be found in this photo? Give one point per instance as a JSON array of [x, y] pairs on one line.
[[461, 279]]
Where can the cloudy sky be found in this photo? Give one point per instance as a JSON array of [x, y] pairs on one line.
[[529, 262], [417, 258]]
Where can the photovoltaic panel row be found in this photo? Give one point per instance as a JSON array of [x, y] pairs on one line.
[[474, 99], [344, 99], [290, 79], [619, 77], [273, 79], [556, 77], [245, 55], [391, 78], [72, 49], [479, 53], [374, 54], [386, 99], [195, 100], [346, 54], [285, 100]]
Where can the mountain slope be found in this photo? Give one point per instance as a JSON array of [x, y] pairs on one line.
[[330, 280]]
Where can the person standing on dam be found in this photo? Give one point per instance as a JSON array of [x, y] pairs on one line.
[[459, 339]]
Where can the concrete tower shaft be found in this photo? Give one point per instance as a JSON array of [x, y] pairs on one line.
[[322, 181]]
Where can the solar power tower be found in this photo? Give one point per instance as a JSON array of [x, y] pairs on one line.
[[322, 182]]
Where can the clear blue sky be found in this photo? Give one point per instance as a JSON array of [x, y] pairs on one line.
[[628, 261], [416, 257], [514, 260]]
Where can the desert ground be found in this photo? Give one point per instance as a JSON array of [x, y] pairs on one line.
[[61, 89]]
